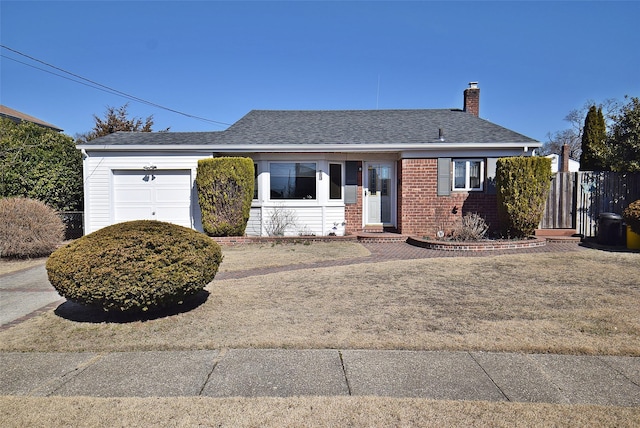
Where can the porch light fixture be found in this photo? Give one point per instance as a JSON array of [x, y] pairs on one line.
[[320, 177]]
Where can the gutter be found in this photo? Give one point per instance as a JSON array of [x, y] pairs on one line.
[[312, 148]]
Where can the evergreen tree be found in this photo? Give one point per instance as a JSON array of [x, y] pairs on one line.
[[40, 163], [596, 152], [626, 138]]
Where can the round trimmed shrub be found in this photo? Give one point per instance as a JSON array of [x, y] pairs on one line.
[[28, 228], [135, 266]]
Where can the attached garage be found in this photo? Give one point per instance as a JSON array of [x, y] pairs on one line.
[[163, 195]]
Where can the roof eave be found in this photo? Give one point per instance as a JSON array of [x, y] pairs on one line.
[[310, 148]]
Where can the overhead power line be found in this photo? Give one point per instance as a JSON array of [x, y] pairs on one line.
[[95, 85]]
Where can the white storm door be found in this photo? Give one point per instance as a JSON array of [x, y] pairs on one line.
[[163, 195], [379, 192]]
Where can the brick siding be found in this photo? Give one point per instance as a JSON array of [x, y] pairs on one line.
[[421, 212]]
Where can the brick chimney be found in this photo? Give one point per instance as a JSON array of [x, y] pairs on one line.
[[472, 99], [565, 158]]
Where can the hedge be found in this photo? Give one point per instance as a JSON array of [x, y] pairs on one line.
[[225, 190], [522, 185]]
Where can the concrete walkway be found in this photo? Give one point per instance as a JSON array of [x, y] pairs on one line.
[[326, 372], [25, 294]]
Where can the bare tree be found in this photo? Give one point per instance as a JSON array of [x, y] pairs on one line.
[[116, 119], [572, 136]]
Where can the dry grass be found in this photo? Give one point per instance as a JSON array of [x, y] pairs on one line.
[[577, 303], [256, 256], [301, 411], [14, 265]]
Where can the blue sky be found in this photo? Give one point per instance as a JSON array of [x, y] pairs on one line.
[[534, 61]]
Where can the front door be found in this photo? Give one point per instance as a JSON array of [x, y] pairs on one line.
[[379, 193]]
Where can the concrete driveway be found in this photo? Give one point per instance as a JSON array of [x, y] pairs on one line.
[[25, 293]]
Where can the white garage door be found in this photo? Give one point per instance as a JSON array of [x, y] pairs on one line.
[[163, 195]]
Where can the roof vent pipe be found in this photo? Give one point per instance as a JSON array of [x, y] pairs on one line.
[[440, 134]]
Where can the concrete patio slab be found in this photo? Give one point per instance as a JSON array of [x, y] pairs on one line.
[[519, 377], [433, 375], [277, 372], [37, 373], [584, 379], [142, 374]]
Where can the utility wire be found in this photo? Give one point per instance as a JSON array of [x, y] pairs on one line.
[[99, 86], [61, 76]]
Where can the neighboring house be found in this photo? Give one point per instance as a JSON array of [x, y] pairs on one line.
[[342, 172], [557, 165], [18, 117]]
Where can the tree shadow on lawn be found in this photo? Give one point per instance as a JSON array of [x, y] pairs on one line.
[[77, 312]]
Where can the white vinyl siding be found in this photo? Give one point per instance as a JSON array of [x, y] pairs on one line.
[[307, 220], [104, 203], [100, 192]]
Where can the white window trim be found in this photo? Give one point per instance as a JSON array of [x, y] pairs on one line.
[[342, 172], [467, 177], [256, 191]]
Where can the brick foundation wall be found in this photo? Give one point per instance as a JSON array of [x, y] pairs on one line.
[[421, 212]]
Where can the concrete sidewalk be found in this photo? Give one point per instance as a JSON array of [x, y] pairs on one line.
[[326, 372]]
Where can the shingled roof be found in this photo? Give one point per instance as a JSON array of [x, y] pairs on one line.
[[18, 116], [287, 128], [367, 126], [122, 138]]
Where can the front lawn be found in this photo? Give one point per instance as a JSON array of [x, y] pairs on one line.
[[583, 302]]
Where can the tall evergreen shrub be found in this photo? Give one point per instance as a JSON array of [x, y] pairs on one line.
[[522, 185], [596, 152], [225, 191]]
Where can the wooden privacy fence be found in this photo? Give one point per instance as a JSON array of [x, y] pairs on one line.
[[603, 192], [560, 208], [576, 199]]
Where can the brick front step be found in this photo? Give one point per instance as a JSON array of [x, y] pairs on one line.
[[562, 239], [555, 232], [381, 237]]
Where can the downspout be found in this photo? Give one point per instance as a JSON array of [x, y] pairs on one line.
[[85, 178]]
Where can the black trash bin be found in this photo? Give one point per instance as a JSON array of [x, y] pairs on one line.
[[610, 229]]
